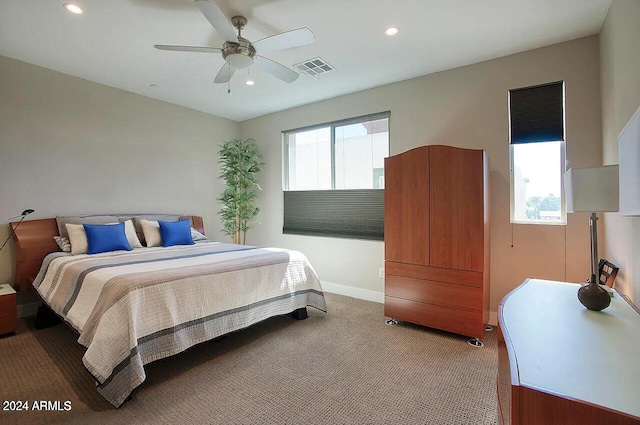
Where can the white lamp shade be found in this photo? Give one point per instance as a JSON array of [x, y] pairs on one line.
[[592, 189]]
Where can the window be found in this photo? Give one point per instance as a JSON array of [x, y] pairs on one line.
[[309, 154], [334, 176], [536, 183], [537, 153], [360, 150], [343, 155]]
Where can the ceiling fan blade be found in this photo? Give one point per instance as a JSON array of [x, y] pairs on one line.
[[188, 48], [276, 69], [285, 40], [218, 20], [225, 74]]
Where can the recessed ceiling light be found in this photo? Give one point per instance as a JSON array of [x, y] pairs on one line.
[[153, 86], [73, 8], [249, 82], [391, 31]]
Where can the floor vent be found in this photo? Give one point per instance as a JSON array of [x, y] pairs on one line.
[[314, 67]]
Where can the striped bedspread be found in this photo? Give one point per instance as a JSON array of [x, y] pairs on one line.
[[131, 308]]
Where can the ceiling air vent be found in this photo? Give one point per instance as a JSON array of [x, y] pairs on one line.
[[314, 67]]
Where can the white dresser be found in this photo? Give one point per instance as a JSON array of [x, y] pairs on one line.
[[560, 363]]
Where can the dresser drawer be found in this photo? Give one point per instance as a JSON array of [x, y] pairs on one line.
[[454, 320], [7, 302], [8, 324], [504, 388], [460, 277], [439, 293], [8, 313]]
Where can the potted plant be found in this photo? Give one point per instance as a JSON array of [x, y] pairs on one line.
[[240, 163]]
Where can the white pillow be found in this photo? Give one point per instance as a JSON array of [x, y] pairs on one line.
[[151, 231], [197, 236], [132, 236], [78, 238]]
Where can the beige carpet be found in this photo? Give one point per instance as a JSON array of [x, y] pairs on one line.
[[346, 367]]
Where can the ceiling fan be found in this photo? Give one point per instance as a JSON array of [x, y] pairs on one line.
[[240, 53]]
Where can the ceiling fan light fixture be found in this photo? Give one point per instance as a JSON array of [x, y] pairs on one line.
[[240, 55], [391, 31], [239, 61], [73, 8]]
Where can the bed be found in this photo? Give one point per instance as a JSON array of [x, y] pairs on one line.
[[130, 308]]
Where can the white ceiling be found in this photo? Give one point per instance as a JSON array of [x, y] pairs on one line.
[[112, 43]]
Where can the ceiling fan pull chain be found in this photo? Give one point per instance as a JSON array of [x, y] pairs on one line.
[[229, 81]]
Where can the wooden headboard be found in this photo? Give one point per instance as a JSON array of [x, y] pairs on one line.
[[34, 240]]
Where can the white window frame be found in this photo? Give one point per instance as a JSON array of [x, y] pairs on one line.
[[332, 126], [563, 208]]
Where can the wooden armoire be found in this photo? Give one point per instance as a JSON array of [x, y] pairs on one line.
[[436, 234]]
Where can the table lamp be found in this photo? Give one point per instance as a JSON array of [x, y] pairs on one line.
[[593, 190], [21, 217]]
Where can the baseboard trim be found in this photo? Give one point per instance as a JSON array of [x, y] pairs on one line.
[[29, 309], [353, 292]]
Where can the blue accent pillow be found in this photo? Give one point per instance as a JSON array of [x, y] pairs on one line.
[[106, 238], [175, 232]]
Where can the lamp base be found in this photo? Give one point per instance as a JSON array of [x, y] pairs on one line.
[[593, 296]]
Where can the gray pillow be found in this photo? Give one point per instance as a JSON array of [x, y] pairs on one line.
[[63, 243], [82, 219]]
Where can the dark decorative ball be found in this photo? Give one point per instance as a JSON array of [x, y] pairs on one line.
[[594, 297]]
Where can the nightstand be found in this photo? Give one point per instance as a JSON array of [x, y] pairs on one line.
[[8, 309]]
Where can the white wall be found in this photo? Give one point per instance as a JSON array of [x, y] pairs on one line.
[[70, 146], [620, 71], [464, 107]]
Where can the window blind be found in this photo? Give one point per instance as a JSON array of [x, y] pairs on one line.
[[353, 213], [537, 113]]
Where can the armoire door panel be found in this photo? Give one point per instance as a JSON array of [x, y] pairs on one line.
[[406, 207], [456, 208]]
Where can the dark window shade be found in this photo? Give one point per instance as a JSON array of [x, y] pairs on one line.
[[356, 214], [537, 113]]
